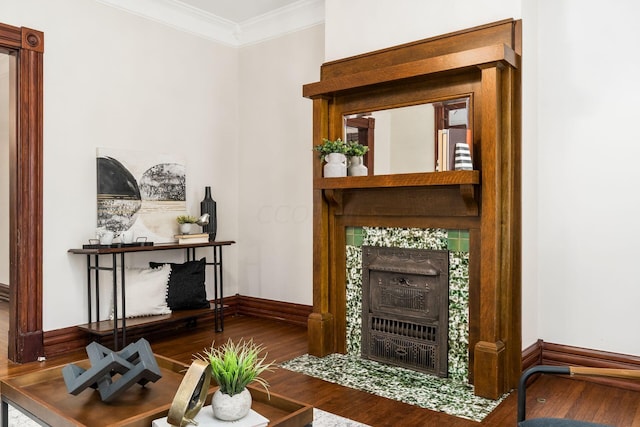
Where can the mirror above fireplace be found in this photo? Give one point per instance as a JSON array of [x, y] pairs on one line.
[[405, 139]]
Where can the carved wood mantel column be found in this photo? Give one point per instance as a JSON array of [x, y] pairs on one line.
[[482, 64], [320, 325]]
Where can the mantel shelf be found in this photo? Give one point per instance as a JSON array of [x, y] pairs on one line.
[[444, 63], [400, 180]]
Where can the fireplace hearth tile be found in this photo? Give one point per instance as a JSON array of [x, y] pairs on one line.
[[404, 385]]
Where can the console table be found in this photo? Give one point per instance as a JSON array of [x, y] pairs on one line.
[[94, 254]]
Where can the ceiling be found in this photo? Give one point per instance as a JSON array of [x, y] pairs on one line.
[[231, 22]]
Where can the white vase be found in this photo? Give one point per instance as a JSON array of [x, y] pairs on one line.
[[356, 168], [231, 408], [462, 157], [185, 228], [336, 165]]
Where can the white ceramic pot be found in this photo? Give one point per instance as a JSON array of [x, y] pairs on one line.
[[336, 165], [231, 408], [185, 228], [356, 168], [106, 238], [127, 236]]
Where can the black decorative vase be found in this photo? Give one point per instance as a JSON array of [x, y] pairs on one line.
[[208, 205]]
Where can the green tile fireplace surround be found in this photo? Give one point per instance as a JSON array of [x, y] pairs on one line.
[[456, 242], [453, 395]]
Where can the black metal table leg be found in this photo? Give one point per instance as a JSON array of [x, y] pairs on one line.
[[219, 248], [124, 310], [115, 301], [97, 275], [89, 303], [5, 413], [218, 304]]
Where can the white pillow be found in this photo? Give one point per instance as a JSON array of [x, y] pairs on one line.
[[145, 291]]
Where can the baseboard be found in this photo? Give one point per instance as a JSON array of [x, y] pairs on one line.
[[543, 353], [277, 310], [61, 341], [532, 355], [4, 292]]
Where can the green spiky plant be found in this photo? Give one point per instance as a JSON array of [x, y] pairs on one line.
[[186, 219], [235, 365]]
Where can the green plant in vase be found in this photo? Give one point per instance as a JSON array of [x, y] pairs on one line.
[[328, 146], [233, 367], [185, 222], [334, 153], [355, 151]]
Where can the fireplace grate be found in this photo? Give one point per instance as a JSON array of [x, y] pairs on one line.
[[401, 343], [406, 329]]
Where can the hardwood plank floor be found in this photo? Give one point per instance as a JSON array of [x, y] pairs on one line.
[[547, 396]]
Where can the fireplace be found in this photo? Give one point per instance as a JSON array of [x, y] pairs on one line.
[[482, 62], [405, 307]]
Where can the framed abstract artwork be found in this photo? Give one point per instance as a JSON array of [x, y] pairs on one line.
[[140, 192]]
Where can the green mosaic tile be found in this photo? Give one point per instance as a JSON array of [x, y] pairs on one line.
[[458, 240], [354, 236], [358, 236]]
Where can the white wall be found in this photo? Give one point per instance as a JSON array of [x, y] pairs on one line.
[[113, 79], [359, 26], [587, 177], [275, 166], [580, 93]]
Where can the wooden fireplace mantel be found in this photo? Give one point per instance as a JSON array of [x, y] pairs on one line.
[[482, 63]]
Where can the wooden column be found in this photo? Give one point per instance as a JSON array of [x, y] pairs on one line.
[[494, 366], [321, 321]]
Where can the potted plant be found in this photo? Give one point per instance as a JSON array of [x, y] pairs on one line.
[[234, 366], [334, 153], [355, 151], [185, 222]]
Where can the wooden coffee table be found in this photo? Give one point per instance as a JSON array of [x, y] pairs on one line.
[[42, 395]]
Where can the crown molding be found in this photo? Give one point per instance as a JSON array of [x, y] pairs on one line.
[[294, 17], [176, 14]]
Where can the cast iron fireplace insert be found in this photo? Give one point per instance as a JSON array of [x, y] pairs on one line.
[[405, 307]]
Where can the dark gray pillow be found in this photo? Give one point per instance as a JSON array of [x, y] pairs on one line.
[[186, 289]]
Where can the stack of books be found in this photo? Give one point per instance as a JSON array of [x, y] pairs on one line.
[[192, 238], [447, 140]]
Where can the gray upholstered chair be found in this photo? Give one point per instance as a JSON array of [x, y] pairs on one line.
[[563, 370]]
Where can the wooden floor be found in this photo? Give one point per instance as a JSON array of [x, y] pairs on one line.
[[547, 396]]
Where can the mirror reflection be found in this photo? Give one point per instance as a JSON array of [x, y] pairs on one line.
[[411, 139]]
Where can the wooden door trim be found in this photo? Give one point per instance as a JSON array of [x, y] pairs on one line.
[[25, 194]]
